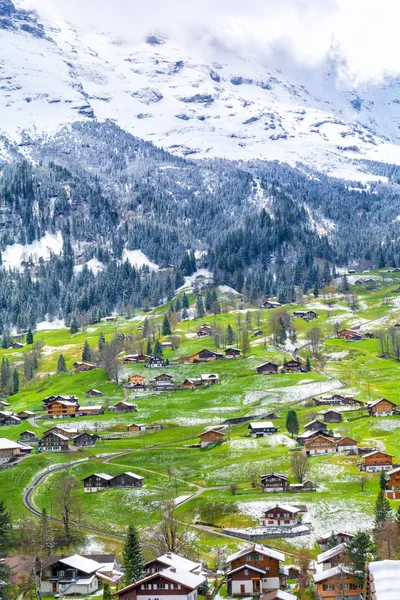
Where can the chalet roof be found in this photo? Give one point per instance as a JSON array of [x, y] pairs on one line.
[[174, 560], [251, 567], [211, 431], [267, 363], [57, 435], [307, 434], [327, 536], [28, 431], [130, 474], [371, 404], [331, 410], [78, 363], [273, 474], [84, 433], [386, 579], [286, 507], [124, 403], [324, 437], [331, 553], [26, 412], [95, 391], [324, 575], [6, 444], [258, 549], [86, 565], [377, 452], [101, 476], [63, 402], [91, 407], [209, 376], [278, 595], [262, 425], [185, 578], [314, 421], [397, 470], [347, 439]]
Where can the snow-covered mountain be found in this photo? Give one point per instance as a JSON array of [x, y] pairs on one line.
[[53, 74]]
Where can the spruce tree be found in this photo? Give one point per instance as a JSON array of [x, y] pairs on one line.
[[15, 381], [357, 553], [185, 301], [383, 480], [5, 373], [29, 336], [102, 341], [61, 364], [185, 314], [178, 305], [132, 556], [86, 352], [6, 545], [397, 516], [73, 328], [382, 509], [166, 326], [149, 349], [46, 534], [158, 351], [199, 307], [230, 335], [308, 364], [332, 542], [292, 424], [107, 595]]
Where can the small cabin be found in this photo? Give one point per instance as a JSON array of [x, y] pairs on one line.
[[349, 335], [332, 416], [347, 444], [126, 479], [124, 407], [25, 414], [155, 362], [83, 366], [274, 482], [232, 353], [94, 393], [280, 515], [268, 368], [381, 408], [205, 355], [135, 427], [377, 461], [209, 437], [85, 439], [96, 482], [292, 366], [271, 304], [191, 383], [315, 425], [54, 442], [262, 428]]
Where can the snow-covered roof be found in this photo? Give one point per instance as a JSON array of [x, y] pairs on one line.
[[328, 554], [262, 425], [370, 404], [286, 507], [312, 422], [174, 560], [251, 567], [209, 376], [393, 471], [326, 536], [57, 435], [257, 549], [323, 575], [91, 407], [278, 595], [6, 444], [103, 476], [273, 474], [132, 475], [376, 452], [86, 565], [185, 578], [385, 579]]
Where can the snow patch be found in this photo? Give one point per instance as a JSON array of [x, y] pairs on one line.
[[138, 259], [14, 255]]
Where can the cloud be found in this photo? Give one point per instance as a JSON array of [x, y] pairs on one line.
[[301, 32]]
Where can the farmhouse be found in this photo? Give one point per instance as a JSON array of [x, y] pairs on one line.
[[62, 408], [268, 368], [126, 479], [332, 416], [135, 378], [94, 393], [83, 366], [25, 414], [381, 408], [73, 575], [349, 335], [347, 444], [307, 315], [232, 353], [191, 383], [292, 366], [253, 570], [341, 536], [155, 362], [169, 584], [274, 482], [172, 560], [96, 482], [262, 428], [164, 381], [205, 355], [383, 580], [135, 428], [9, 450], [393, 485], [28, 437], [86, 411], [124, 407], [270, 304], [377, 461], [54, 442], [85, 439], [7, 418], [209, 379], [337, 582], [315, 426], [321, 444], [281, 515], [210, 437]]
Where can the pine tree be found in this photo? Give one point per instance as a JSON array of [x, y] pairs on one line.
[[149, 349], [29, 336], [15, 381], [178, 305], [357, 552], [46, 534], [382, 509], [383, 480], [332, 542], [308, 364], [132, 557], [5, 373], [185, 314], [199, 307], [158, 351], [6, 545], [166, 326], [107, 595], [185, 301], [86, 352], [208, 300], [102, 341], [61, 364], [230, 335], [73, 328], [292, 424]]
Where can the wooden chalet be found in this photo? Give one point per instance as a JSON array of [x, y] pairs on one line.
[[232, 353], [169, 584], [337, 400], [9, 450], [124, 407], [274, 482], [136, 428], [88, 411], [315, 425], [271, 304], [205, 355], [253, 571], [136, 378], [25, 414], [111, 319], [54, 442], [262, 428], [85, 439], [393, 485], [321, 444], [212, 436], [127, 479], [349, 335], [191, 383], [280, 515], [341, 536], [155, 362], [381, 408], [347, 444], [28, 437], [80, 366], [97, 482], [204, 331], [62, 408], [51, 399], [377, 461], [68, 432], [169, 560], [383, 580], [307, 315], [163, 381], [209, 379], [338, 582], [94, 393], [332, 416], [292, 366], [268, 368], [7, 419]]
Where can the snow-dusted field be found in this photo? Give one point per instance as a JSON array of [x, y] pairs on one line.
[[15, 254]]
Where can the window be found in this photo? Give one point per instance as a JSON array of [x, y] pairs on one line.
[[327, 586]]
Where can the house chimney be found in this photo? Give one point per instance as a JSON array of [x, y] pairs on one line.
[[169, 555], [173, 570]]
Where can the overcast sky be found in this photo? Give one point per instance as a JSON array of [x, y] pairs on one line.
[[305, 31]]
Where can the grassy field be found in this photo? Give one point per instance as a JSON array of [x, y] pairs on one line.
[[172, 467]]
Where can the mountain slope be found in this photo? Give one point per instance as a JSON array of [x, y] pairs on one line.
[[218, 106]]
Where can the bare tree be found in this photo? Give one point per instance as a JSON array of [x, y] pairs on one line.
[[387, 540], [314, 336], [299, 464], [245, 341], [254, 475], [67, 501], [234, 488], [109, 361], [170, 535]]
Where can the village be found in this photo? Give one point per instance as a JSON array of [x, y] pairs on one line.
[[242, 433]]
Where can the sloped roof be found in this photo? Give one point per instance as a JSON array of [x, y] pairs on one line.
[[132, 475], [375, 402], [86, 565], [386, 579], [186, 578], [278, 595], [331, 553], [258, 549], [262, 425], [377, 452], [323, 575], [246, 566], [6, 444], [287, 507], [174, 560]]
